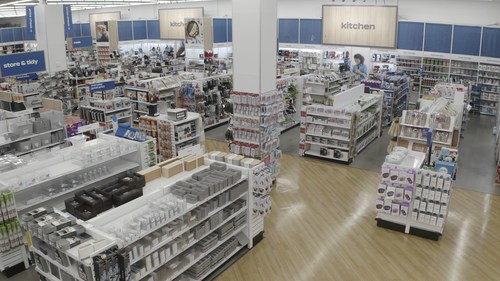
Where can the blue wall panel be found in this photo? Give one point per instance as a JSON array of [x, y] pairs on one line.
[[153, 29], [411, 36], [288, 31], [220, 30], [491, 42], [27, 36], [438, 37], [7, 35], [310, 31], [466, 40], [230, 30], [125, 31], [140, 30], [18, 34], [85, 27]]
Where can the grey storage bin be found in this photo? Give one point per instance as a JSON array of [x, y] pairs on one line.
[[46, 139], [23, 146], [36, 142], [24, 130]]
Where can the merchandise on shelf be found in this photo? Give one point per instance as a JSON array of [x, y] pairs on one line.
[[207, 96], [27, 134], [321, 89], [395, 89], [104, 110], [288, 88], [413, 196], [255, 128], [340, 132]]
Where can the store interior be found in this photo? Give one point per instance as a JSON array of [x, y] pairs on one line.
[[172, 140]]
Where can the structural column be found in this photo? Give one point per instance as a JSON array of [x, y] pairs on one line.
[[254, 45], [49, 21]]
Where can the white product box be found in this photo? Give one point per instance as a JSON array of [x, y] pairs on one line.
[[382, 188], [440, 182], [418, 191], [387, 206], [433, 220], [404, 209], [444, 197], [437, 206], [433, 180], [421, 217], [437, 196], [430, 206], [444, 209], [425, 193], [418, 178], [423, 206], [440, 221], [399, 193], [427, 218], [380, 204], [408, 194], [395, 209], [414, 215], [447, 184], [431, 194], [391, 190], [416, 204], [426, 180]]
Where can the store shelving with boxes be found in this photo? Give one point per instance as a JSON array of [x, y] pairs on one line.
[[489, 81], [340, 132], [289, 89], [382, 61], [321, 89], [442, 116], [172, 232], [207, 96], [102, 111], [413, 199], [175, 135], [145, 94], [31, 132], [12, 251], [396, 90], [255, 129], [55, 176]]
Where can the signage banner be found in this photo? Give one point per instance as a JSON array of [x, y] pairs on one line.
[[22, 63], [29, 76], [194, 32], [82, 42], [102, 86], [172, 21], [30, 21], [68, 18], [364, 26]]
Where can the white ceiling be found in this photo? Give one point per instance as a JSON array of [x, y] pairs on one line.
[[17, 8]]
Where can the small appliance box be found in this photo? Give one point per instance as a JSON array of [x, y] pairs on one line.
[[447, 161], [177, 114]]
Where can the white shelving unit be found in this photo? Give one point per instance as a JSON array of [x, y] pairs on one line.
[[340, 132], [180, 262], [322, 89], [421, 207]]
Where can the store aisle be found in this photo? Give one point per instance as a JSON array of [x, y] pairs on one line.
[[373, 156], [289, 141], [322, 228], [476, 165]]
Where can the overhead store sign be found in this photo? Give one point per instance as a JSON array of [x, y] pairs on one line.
[[24, 77], [22, 63], [82, 42], [172, 21], [369, 26], [102, 86], [68, 18], [30, 21]]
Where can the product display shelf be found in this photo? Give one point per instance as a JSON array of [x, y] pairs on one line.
[[242, 233], [289, 88], [186, 229], [190, 245], [31, 136], [117, 167], [72, 271], [219, 263], [114, 217], [422, 206], [356, 119], [39, 148], [204, 254], [325, 87], [396, 93]]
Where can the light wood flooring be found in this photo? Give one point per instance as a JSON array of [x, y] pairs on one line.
[[322, 228]]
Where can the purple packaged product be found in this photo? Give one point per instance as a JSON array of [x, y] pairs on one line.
[[405, 207], [408, 195]]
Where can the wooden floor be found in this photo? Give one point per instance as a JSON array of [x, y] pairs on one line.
[[322, 228]]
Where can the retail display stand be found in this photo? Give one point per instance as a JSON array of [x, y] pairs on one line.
[[13, 257], [292, 99], [395, 89], [340, 132], [25, 134], [166, 235], [411, 199], [322, 88], [175, 138], [102, 110], [256, 131]]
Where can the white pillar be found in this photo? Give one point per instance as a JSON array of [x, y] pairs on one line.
[[254, 45], [49, 21]]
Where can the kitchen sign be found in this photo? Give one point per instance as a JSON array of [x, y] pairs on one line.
[[364, 26], [172, 21]]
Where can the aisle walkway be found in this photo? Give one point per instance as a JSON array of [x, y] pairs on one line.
[[476, 163]]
